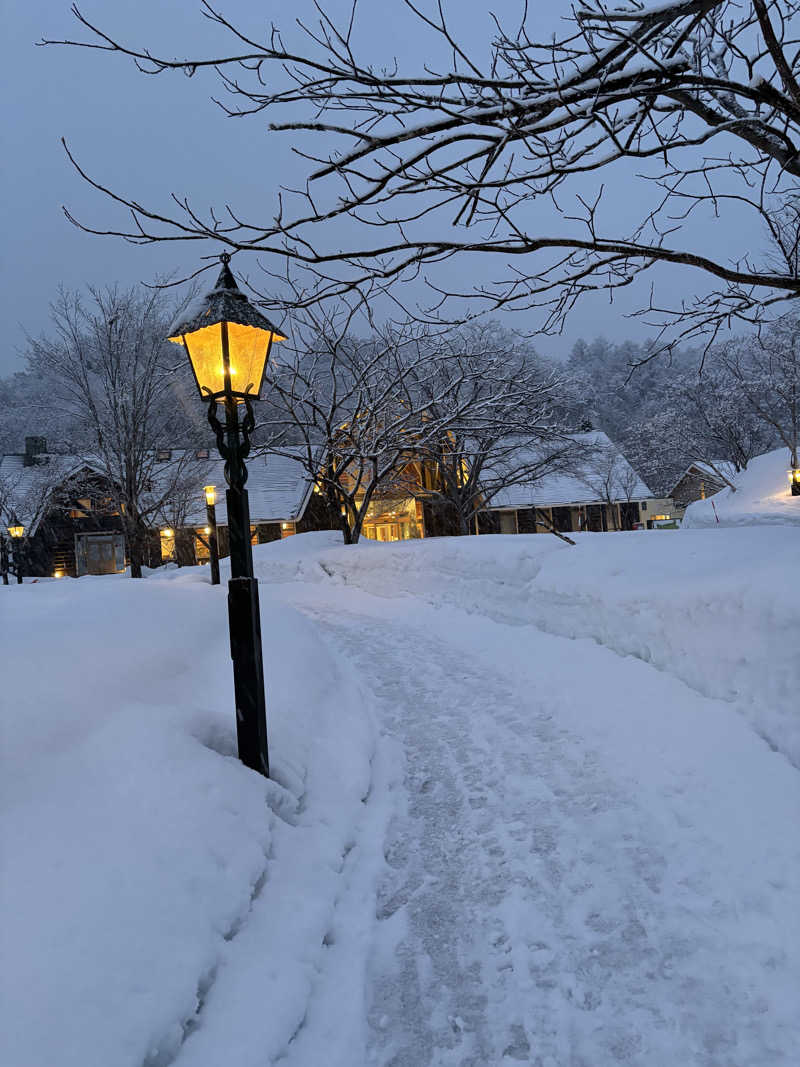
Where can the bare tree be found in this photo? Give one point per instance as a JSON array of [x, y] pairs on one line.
[[109, 365], [495, 408], [353, 410], [701, 95], [608, 474]]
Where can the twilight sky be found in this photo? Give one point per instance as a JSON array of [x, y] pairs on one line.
[[149, 137]]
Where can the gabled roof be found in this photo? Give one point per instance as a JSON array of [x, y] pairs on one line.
[[278, 488], [26, 490], [562, 490], [707, 468]]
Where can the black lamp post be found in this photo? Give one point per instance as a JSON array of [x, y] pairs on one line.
[[213, 537], [4, 560], [228, 342], [16, 531]]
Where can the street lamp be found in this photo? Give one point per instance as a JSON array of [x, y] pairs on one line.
[[794, 480], [228, 342], [16, 531], [213, 542]]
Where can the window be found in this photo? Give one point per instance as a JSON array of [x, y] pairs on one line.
[[202, 549], [201, 453], [163, 455], [167, 545]]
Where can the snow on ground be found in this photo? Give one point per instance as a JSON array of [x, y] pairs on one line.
[[762, 497], [532, 804]]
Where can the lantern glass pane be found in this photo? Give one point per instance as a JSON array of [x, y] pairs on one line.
[[205, 353], [248, 346]]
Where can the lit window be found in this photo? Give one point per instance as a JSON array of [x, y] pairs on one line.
[[167, 545]]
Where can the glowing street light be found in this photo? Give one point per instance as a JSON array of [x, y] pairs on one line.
[[211, 530], [228, 343], [16, 531]]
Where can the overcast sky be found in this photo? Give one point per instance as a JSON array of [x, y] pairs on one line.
[[149, 137]]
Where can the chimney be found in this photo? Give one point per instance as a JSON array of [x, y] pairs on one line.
[[34, 446]]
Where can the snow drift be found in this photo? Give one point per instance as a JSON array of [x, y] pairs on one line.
[[762, 497]]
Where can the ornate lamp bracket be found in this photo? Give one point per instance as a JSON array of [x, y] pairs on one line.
[[233, 441]]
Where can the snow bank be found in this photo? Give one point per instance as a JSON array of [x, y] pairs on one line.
[[163, 897], [717, 609], [135, 845], [762, 497]]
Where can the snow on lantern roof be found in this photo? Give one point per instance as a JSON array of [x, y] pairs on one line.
[[224, 303]]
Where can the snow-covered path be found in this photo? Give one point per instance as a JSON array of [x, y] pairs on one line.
[[529, 805], [581, 869]]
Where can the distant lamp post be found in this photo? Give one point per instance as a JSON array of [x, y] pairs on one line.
[[16, 531], [794, 480], [228, 343], [4, 560], [213, 541]]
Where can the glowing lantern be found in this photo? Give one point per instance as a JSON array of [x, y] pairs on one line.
[[211, 495], [227, 340], [794, 480], [16, 530]]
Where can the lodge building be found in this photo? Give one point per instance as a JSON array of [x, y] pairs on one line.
[[73, 528]]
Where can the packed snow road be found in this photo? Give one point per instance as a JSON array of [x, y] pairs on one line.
[[581, 870]]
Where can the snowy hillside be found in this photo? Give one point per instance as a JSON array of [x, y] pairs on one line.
[[531, 804], [762, 497]]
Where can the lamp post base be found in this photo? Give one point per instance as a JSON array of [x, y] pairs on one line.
[[248, 673]]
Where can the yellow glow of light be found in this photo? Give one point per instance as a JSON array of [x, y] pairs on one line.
[[58, 574], [167, 532], [206, 529], [284, 525], [211, 494], [247, 351], [794, 474], [16, 532]]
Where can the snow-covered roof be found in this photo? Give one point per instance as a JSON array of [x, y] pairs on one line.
[[26, 490], [572, 488], [714, 468], [762, 497], [278, 488]]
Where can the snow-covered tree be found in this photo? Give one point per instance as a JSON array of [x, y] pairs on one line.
[[352, 404], [108, 365], [765, 373], [496, 408]]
